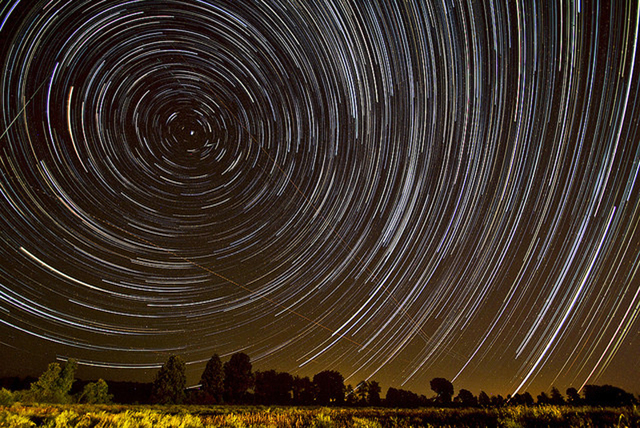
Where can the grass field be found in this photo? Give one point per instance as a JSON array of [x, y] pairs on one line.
[[61, 416]]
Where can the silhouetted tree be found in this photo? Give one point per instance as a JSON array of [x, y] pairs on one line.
[[466, 399], [400, 398], [96, 393], [303, 391], [351, 396], [527, 399], [329, 386], [238, 378], [170, 382], [607, 395], [443, 388], [573, 397], [556, 397], [524, 399], [272, 387], [364, 394], [543, 398], [393, 398], [483, 399], [497, 400], [212, 381], [373, 393], [360, 393], [54, 384]]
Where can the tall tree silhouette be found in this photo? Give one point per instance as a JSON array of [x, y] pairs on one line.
[[373, 393], [170, 382], [212, 380], [303, 391], [329, 386], [556, 397], [238, 378], [483, 399]]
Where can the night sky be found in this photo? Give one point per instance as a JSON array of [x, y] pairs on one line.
[[397, 192]]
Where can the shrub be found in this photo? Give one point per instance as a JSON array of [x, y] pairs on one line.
[[96, 393], [6, 397]]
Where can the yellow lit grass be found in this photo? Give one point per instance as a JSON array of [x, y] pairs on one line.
[[103, 416]]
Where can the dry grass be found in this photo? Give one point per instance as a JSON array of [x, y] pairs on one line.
[[103, 416]]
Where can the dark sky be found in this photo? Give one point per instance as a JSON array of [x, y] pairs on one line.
[[395, 192]]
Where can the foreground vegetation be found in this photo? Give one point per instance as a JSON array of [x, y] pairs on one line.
[[231, 395], [86, 416]]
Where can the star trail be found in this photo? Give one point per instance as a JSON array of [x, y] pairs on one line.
[[394, 190]]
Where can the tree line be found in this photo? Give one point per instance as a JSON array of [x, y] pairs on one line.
[[235, 382]]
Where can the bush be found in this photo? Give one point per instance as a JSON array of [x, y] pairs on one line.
[[6, 397], [96, 393]]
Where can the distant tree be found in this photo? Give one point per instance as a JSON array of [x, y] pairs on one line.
[[360, 393], [527, 399], [238, 378], [54, 384], [351, 396], [443, 388], [400, 398], [283, 390], [524, 399], [556, 397], [466, 399], [424, 401], [263, 386], [170, 382], [329, 386], [373, 393], [364, 394], [303, 391], [573, 397], [483, 399], [96, 393], [543, 398], [393, 398], [272, 387], [212, 381], [607, 395], [497, 400]]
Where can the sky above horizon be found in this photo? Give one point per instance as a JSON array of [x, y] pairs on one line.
[[395, 191]]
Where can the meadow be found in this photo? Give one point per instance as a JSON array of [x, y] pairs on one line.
[[86, 416]]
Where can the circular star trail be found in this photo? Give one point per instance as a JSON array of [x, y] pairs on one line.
[[397, 192]]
